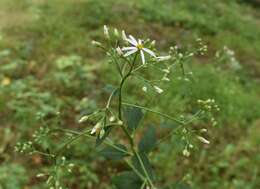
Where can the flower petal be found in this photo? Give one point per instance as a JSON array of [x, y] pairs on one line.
[[132, 40], [142, 57], [128, 48], [149, 52], [140, 42], [130, 52]]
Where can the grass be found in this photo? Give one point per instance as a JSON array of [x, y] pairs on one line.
[[47, 65]]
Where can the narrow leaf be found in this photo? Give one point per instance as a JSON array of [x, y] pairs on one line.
[[148, 140], [133, 116]]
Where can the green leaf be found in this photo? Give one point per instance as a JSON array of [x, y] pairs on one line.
[[148, 140], [100, 140], [146, 163], [133, 116], [116, 153], [127, 180]]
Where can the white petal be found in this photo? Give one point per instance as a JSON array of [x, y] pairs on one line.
[[139, 41], [149, 52], [128, 48], [142, 56], [130, 52], [132, 40]]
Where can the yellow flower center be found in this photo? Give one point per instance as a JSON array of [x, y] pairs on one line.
[[140, 46]]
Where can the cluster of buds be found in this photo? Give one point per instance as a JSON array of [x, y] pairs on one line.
[[209, 105], [202, 47], [26, 147], [40, 134]]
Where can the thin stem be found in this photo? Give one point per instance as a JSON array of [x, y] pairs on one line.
[[135, 170], [156, 112], [120, 102], [121, 86], [144, 169], [79, 134], [110, 97]]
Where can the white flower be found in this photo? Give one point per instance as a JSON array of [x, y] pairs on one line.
[[158, 89], [112, 119], [144, 88], [203, 140], [137, 47], [163, 58], [186, 153], [106, 33]]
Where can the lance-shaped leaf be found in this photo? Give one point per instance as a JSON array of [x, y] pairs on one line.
[[127, 180], [133, 116], [116, 152], [148, 140]]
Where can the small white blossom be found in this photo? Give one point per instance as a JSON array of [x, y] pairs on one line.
[[137, 47], [144, 88], [112, 119], [186, 153], [158, 89], [203, 140]]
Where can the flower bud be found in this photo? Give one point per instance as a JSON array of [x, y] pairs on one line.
[[144, 88], [124, 35], [96, 43], [203, 140], [106, 33], [83, 119], [116, 32], [119, 51], [158, 89]]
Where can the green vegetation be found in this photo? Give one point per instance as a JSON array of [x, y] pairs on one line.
[[48, 65]]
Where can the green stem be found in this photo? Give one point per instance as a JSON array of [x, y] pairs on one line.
[[156, 112], [120, 101], [110, 98], [145, 172]]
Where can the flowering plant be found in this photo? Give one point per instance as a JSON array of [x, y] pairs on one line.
[[132, 58]]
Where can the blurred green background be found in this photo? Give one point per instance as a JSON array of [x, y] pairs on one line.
[[47, 64]]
